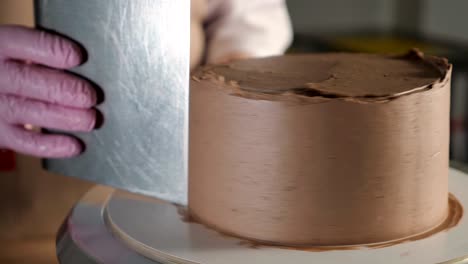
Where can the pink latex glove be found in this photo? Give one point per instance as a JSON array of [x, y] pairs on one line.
[[35, 90]]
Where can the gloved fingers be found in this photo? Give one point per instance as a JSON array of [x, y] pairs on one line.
[[20, 111], [27, 44], [41, 83], [37, 144]]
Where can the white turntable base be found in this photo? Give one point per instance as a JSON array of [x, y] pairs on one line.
[[117, 227]]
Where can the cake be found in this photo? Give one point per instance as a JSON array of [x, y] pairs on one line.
[[321, 149]]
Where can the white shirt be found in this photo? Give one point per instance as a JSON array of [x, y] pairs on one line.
[[256, 28]]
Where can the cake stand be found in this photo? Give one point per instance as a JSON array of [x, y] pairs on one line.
[[109, 226]]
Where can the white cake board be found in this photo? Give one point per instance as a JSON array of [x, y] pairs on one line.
[[110, 226]]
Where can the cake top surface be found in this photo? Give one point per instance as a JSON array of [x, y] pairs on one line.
[[331, 75]]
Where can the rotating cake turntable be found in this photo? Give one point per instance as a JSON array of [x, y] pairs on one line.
[[109, 226]]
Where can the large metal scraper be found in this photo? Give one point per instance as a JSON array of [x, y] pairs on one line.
[[138, 54]]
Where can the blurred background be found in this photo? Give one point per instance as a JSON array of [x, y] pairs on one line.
[[33, 202], [392, 26]]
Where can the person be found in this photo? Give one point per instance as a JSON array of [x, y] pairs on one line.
[[36, 90]]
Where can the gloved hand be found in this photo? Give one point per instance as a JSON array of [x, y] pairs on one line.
[[34, 90]]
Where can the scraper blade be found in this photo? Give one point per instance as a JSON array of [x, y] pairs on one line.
[[138, 54]]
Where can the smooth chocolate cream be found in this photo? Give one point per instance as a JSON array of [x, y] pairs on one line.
[[321, 149]]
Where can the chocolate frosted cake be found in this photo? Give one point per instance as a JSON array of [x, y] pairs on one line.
[[321, 149]]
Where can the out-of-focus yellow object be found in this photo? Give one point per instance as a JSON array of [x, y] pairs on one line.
[[34, 251], [383, 44], [17, 12]]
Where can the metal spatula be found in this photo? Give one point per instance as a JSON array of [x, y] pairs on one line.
[[138, 53]]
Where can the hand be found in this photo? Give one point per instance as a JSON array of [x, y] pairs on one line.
[[34, 90], [233, 56]]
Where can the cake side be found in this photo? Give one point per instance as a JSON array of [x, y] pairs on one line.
[[333, 171]]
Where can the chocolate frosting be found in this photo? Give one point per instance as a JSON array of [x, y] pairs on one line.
[[321, 149], [346, 76]]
